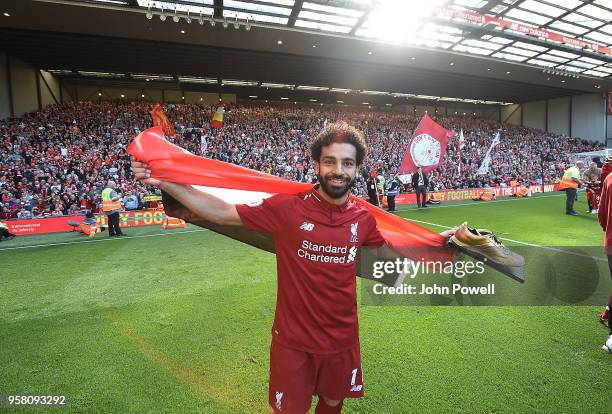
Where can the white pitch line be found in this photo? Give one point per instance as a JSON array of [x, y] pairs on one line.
[[100, 240], [483, 203], [524, 243]]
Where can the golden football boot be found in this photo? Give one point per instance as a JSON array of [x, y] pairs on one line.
[[483, 245]]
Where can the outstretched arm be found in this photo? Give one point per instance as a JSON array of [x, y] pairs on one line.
[[204, 206]]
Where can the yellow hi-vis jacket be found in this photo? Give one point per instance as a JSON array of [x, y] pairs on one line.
[[108, 204], [566, 181]]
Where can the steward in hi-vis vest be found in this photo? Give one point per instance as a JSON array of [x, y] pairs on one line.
[[571, 178], [111, 204], [570, 183]]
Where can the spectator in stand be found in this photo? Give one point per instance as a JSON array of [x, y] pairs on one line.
[[24, 214], [130, 201]]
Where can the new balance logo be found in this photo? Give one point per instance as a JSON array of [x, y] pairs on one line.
[[356, 388], [307, 226]]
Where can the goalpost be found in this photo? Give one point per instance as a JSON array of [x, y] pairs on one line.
[[587, 157]]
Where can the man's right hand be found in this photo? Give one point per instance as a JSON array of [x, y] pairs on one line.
[[143, 173]]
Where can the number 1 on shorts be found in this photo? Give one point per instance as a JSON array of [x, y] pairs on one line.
[[354, 377]]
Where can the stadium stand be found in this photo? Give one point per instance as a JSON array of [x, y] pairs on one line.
[[58, 159]]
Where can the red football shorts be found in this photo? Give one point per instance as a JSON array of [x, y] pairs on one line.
[[593, 195], [295, 376]]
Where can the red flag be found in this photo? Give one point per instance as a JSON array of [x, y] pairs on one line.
[[610, 102], [160, 119], [426, 148]]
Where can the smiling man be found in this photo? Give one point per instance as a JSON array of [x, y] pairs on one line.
[[317, 234]]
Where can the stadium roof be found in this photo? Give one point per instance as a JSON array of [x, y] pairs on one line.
[[245, 46], [569, 35]]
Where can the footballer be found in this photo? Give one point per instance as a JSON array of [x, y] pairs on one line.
[[315, 335]]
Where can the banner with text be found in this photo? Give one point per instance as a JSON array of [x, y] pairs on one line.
[[62, 224], [502, 24], [469, 193], [155, 217]]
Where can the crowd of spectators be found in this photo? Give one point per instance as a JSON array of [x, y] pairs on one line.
[[58, 160]]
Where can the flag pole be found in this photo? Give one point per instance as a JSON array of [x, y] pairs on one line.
[[459, 152]]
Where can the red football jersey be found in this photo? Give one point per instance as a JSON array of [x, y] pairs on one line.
[[316, 254], [604, 212]]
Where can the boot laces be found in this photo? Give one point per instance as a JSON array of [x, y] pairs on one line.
[[499, 244]]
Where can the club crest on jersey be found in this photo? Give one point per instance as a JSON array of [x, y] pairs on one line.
[[307, 226], [279, 397], [354, 232]]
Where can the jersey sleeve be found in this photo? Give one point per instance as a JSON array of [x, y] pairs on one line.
[[266, 215], [373, 238]]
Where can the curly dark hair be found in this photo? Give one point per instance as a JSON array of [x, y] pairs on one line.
[[339, 132]]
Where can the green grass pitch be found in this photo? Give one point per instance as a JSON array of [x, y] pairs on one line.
[[179, 321]]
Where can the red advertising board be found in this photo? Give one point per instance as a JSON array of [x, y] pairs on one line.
[[502, 24], [60, 224], [469, 193], [155, 217]]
